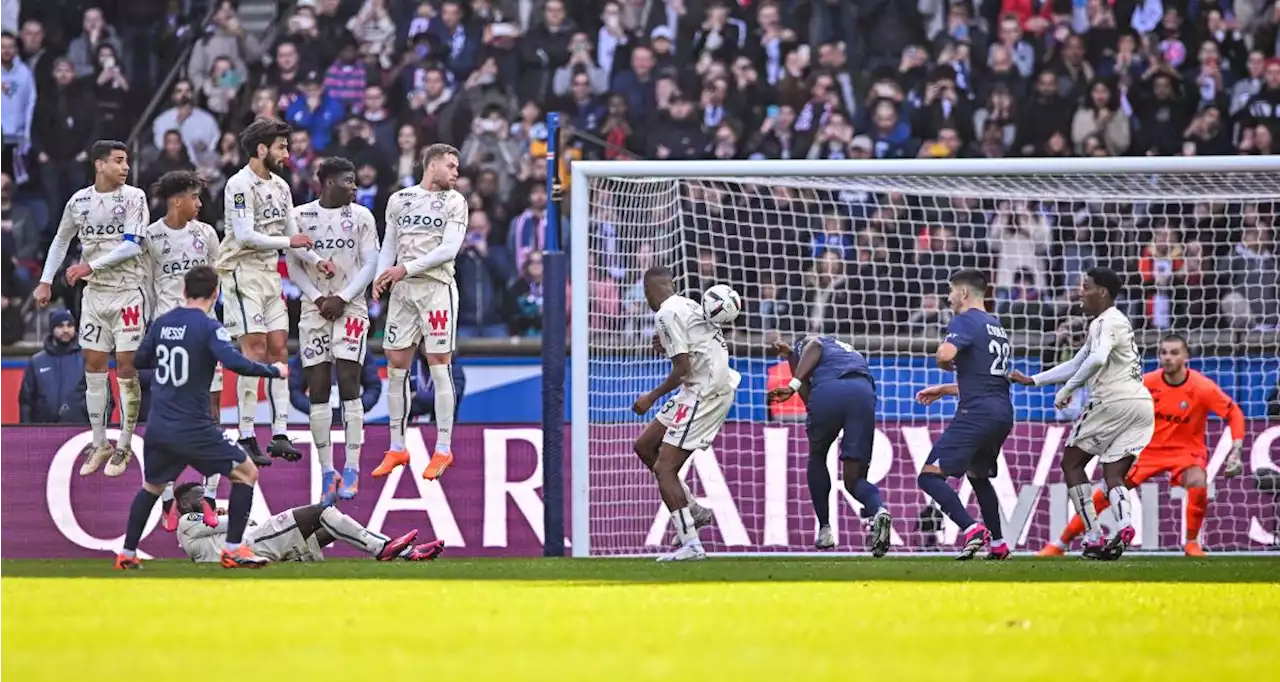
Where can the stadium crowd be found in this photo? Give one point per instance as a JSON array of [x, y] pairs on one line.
[[377, 80]]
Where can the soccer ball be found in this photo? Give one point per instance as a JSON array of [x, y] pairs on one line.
[[721, 304]]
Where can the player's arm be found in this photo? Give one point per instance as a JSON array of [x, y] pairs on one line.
[[298, 274], [61, 243], [1222, 405], [955, 341], [220, 346], [450, 242], [196, 531], [1099, 351], [1062, 372], [675, 341], [810, 358], [930, 395], [304, 253], [135, 227], [240, 207], [369, 258]]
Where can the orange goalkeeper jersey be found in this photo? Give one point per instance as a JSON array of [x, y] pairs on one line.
[[1182, 410]]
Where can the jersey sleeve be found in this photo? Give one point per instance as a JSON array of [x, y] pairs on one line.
[[212, 245], [673, 332], [367, 233], [238, 202], [144, 357], [61, 242], [459, 214], [958, 334], [137, 216], [1218, 402], [387, 255]]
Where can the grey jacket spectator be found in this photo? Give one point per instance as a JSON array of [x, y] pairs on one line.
[[83, 51]]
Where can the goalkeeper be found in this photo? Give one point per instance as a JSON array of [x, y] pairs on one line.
[[1183, 400], [835, 383]]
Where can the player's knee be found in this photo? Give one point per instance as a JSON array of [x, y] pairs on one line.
[[400, 359], [439, 358], [95, 362], [930, 471], [124, 366], [245, 472], [1194, 477]]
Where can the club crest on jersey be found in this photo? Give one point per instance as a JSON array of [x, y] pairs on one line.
[[118, 211], [437, 205], [238, 201], [197, 244], [1184, 405], [347, 225]]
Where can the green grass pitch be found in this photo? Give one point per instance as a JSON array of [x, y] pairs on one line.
[[611, 619]]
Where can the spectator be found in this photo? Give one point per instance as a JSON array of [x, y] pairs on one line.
[[37, 54], [1162, 117], [347, 78], [227, 40], [438, 114], [423, 403], [484, 274], [370, 385], [1042, 115], [173, 157], [679, 135], [285, 73], [1021, 237], [1255, 276], [581, 64], [490, 147], [53, 384], [316, 112], [28, 235], [1264, 108], [85, 50], [111, 93], [529, 229], [198, 128], [375, 31], [380, 119], [64, 130], [544, 49], [19, 104], [1251, 84], [1101, 115], [221, 89], [636, 85], [1161, 266], [406, 159], [460, 46]]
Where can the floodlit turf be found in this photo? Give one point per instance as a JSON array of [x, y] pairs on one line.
[[605, 620]]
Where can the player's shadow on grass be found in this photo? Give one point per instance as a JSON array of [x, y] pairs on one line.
[[629, 571]]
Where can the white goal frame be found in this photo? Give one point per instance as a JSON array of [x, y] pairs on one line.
[[584, 171]]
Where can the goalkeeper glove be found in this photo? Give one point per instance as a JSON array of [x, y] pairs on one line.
[[1234, 465]]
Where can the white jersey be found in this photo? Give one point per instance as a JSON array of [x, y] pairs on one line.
[[269, 203], [417, 219], [683, 327], [171, 253], [1121, 376], [102, 221], [347, 237], [200, 542]]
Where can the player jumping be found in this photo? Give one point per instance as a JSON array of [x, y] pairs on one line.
[[110, 217], [175, 244], [977, 348], [1118, 421], [1183, 400], [335, 316], [297, 534], [425, 225], [183, 346], [690, 420], [835, 384], [259, 216]]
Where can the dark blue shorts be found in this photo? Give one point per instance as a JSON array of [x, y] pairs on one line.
[[971, 444], [205, 450], [847, 405]]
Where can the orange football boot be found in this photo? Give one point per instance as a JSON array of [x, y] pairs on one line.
[[391, 460], [1193, 548], [1050, 550], [242, 557], [127, 563], [436, 467]]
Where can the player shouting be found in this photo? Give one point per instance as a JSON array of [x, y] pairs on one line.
[[1183, 399], [259, 218], [1118, 421], [335, 316], [183, 346], [175, 244], [110, 217], [297, 534], [689, 421], [977, 348], [425, 225], [835, 384]]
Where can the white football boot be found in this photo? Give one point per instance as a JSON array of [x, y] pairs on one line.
[[97, 455], [689, 552]]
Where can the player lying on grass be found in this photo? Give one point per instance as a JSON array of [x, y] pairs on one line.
[[1183, 400], [835, 384], [183, 346], [334, 323], [298, 534], [977, 348], [690, 420], [1116, 423]]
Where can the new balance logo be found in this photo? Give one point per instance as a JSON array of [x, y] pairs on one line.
[[439, 319], [355, 327], [131, 316]]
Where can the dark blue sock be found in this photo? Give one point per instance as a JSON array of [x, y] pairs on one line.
[[238, 511], [935, 486], [868, 494], [820, 489], [989, 505], [141, 508]]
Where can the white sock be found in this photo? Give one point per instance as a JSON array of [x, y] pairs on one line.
[[167, 494], [446, 405], [348, 530], [278, 393], [1082, 499], [247, 392], [353, 421], [397, 404], [689, 496], [130, 401], [131, 553], [231, 546], [683, 521], [95, 396], [321, 436], [211, 485], [1120, 506]]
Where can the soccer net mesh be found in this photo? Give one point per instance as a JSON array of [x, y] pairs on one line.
[[867, 259]]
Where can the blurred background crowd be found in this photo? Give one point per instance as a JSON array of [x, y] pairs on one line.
[[377, 80]]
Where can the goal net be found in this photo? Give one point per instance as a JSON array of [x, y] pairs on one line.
[[863, 251]]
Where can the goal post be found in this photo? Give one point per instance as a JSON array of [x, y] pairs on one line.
[[863, 250]]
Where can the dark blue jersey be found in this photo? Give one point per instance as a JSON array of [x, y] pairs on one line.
[[839, 359], [982, 364], [184, 347]]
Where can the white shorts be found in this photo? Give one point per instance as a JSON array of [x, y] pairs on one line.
[[279, 539], [113, 319], [1114, 430], [215, 386], [422, 308], [692, 422], [320, 340], [252, 302]]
